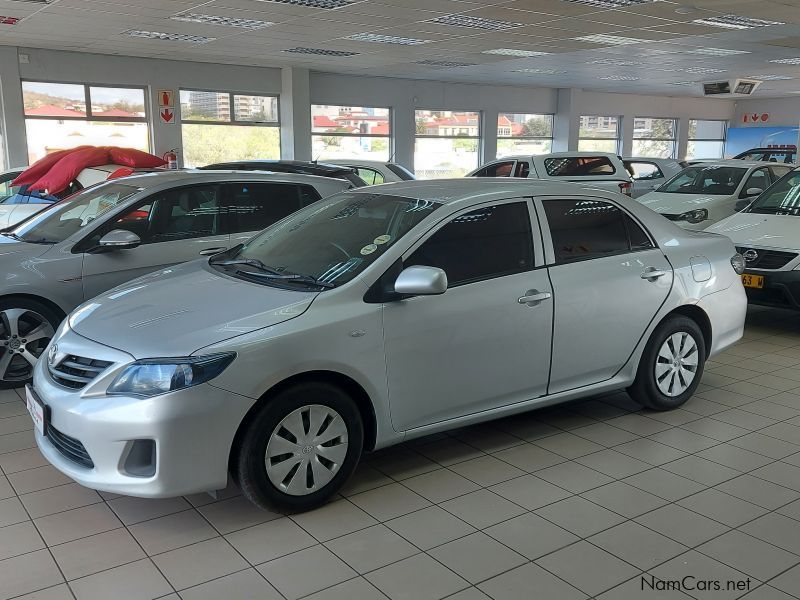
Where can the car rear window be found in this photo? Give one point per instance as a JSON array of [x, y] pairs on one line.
[[579, 166]]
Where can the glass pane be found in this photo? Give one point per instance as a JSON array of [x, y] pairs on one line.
[[654, 148], [439, 159], [512, 147], [658, 129], [53, 99], [46, 136], [256, 109], [706, 130], [581, 166], [446, 123], [345, 146], [205, 106], [259, 205], [585, 229], [355, 120], [705, 149], [117, 102], [207, 144], [599, 127], [597, 146], [524, 125]]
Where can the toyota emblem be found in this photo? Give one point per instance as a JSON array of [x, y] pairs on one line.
[[51, 355], [750, 255]]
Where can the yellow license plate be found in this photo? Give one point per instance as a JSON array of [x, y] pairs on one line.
[[753, 281]]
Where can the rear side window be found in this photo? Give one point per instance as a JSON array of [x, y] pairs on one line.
[[256, 206], [645, 171], [500, 169], [579, 166], [371, 176], [486, 243], [587, 229]]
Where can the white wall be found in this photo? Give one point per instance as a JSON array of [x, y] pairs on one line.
[[782, 112]]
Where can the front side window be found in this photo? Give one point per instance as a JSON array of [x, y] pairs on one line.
[[256, 206], [579, 166], [712, 180], [588, 229], [783, 198], [486, 243], [644, 171], [758, 180]]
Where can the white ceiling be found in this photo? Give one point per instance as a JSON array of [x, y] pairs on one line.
[[665, 56]]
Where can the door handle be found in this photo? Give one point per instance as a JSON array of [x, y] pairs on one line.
[[534, 297], [651, 274], [211, 251]]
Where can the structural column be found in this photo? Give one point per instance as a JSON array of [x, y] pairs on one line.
[[13, 113], [295, 106], [566, 123]]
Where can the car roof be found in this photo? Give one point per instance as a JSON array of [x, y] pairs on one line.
[[152, 179], [650, 159], [357, 161], [575, 154], [735, 162], [312, 167]]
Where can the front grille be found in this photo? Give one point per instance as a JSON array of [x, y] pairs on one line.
[[76, 371], [768, 259], [69, 447]]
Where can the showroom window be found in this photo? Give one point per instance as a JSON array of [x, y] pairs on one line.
[[520, 133], [654, 138], [599, 134], [66, 115], [351, 132], [706, 139], [224, 126], [447, 143]]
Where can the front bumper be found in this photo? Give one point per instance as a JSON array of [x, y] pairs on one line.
[[169, 445], [781, 289]]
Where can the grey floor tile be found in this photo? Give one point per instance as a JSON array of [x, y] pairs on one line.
[[649, 451], [21, 460], [244, 585], [371, 548], [519, 582], [637, 545], [270, 540], [530, 492], [638, 424], [744, 418], [39, 478], [389, 501], [57, 592], [749, 555], [430, 527], [472, 593], [574, 477], [172, 531], [675, 417], [350, 590], [529, 457], [198, 563], [449, 451], [613, 463], [780, 473], [767, 592], [58, 499], [735, 457], [482, 508], [722, 507], [333, 519], [97, 553], [531, 535], [417, 578], [766, 445], [132, 510], [684, 440], [28, 573], [401, 463], [12, 511], [714, 429], [759, 492], [682, 525], [77, 523], [791, 510], [489, 439], [138, 580], [788, 582], [642, 586], [624, 499], [487, 470], [776, 529], [568, 445], [477, 557], [235, 513], [306, 572], [364, 479], [664, 484], [19, 539], [605, 435], [580, 516], [703, 568], [440, 485], [701, 470]]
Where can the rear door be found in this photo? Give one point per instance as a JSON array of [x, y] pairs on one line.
[[609, 281]]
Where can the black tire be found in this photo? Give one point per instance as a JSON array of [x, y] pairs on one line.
[[52, 317], [645, 389], [249, 469]]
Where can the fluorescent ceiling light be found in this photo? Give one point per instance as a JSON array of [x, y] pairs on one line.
[[515, 52], [320, 51], [682, 82], [703, 70], [220, 20], [540, 71], [325, 4], [620, 78], [386, 39], [786, 61], [617, 62], [610, 40], [717, 51], [735, 22], [474, 22], [168, 37], [443, 63], [612, 3], [771, 77]]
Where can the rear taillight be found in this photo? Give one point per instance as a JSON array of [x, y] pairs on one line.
[[626, 188]]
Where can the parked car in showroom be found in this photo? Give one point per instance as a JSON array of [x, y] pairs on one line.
[[325, 335], [767, 234], [705, 193], [121, 229], [301, 167], [781, 155], [601, 169], [649, 174], [375, 172]]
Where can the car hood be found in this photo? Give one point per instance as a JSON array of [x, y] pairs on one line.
[[753, 229], [675, 204], [20, 250], [177, 311]]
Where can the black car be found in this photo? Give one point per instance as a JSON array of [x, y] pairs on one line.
[[781, 155], [292, 166]]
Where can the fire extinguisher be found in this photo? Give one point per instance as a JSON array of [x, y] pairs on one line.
[[171, 157]]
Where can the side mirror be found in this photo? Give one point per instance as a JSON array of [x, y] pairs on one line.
[[753, 192], [421, 281], [118, 239]]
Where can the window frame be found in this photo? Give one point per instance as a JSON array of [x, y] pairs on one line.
[[660, 172], [88, 101], [746, 181], [617, 138], [232, 103], [342, 134], [673, 139], [723, 139], [551, 138]]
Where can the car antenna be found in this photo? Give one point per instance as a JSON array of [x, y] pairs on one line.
[[391, 158]]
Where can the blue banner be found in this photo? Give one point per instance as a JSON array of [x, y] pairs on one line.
[[743, 138]]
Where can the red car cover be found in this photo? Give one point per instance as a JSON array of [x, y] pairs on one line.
[[121, 172], [67, 168], [41, 167], [130, 157]]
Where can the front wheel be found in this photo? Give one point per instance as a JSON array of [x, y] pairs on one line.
[[26, 327], [671, 366], [300, 447]]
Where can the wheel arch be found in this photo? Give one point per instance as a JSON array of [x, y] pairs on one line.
[[60, 312], [699, 316]]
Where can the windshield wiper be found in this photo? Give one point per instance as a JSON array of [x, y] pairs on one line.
[[252, 262], [293, 277], [14, 236]]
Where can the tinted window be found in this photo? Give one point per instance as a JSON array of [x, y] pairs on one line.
[[781, 199], [645, 171], [482, 244], [256, 206], [579, 166], [585, 229], [501, 169], [523, 169], [778, 172], [699, 179], [758, 179]]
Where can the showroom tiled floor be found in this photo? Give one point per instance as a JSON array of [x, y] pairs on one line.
[[567, 503]]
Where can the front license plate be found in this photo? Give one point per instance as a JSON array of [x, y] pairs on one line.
[[36, 409], [753, 281]]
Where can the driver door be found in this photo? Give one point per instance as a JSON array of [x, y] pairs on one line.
[[175, 226]]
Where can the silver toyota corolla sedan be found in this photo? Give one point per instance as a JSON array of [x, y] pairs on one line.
[[376, 316]]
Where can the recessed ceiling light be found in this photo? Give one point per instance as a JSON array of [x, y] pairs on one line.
[[169, 37], [474, 22], [620, 78], [320, 51], [771, 77], [717, 51], [386, 39], [220, 20], [612, 3], [786, 61], [540, 71], [682, 82], [703, 70], [735, 22], [610, 40], [515, 52], [9, 20], [325, 4], [443, 63], [617, 62]]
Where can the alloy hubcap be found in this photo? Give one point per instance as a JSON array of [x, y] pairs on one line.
[[676, 364], [306, 450], [24, 334]]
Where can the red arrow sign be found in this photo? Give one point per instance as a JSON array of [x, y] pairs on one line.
[[167, 114]]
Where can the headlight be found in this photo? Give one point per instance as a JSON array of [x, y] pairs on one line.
[[694, 216], [738, 263], [156, 376]]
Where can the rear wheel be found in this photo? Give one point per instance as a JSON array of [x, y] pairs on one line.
[[26, 327], [671, 366]]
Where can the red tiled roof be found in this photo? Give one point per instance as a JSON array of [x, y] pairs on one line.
[[324, 121], [48, 110], [115, 112]]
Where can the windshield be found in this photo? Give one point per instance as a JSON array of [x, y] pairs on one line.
[[72, 214], [699, 179], [783, 198], [329, 242]]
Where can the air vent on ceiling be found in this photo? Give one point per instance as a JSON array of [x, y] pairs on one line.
[[717, 52], [324, 4], [386, 39], [703, 70], [786, 61], [220, 20], [612, 3], [540, 71], [168, 37], [771, 77], [515, 52], [443, 63], [320, 51], [735, 22], [474, 22], [608, 40], [8, 20], [734, 87], [620, 78]]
